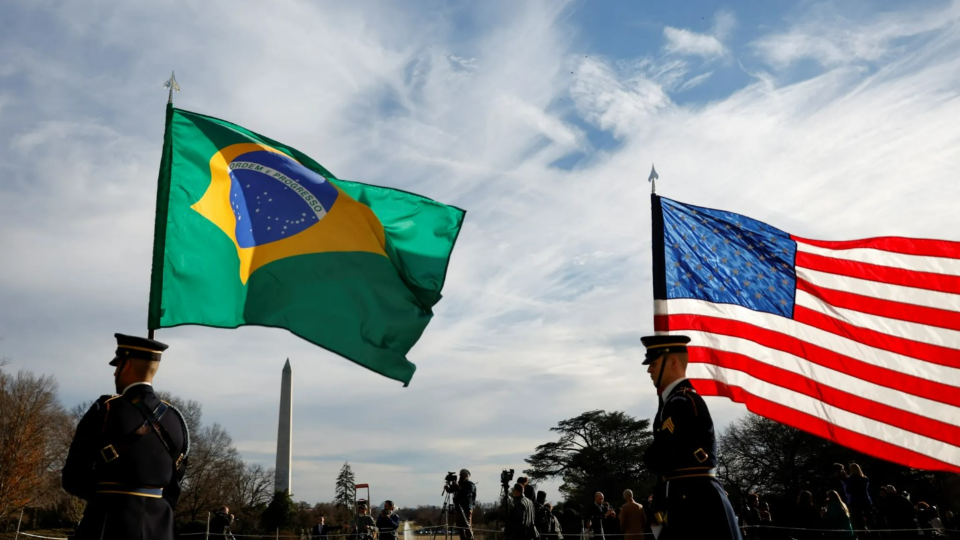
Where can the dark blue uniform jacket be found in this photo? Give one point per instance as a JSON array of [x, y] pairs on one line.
[[684, 458], [120, 465]]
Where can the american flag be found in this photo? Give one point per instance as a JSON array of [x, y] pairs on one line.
[[857, 341]]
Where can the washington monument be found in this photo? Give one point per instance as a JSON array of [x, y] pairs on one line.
[[285, 431]]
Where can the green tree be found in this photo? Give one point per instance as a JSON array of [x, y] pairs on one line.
[[597, 451], [281, 513], [345, 490]]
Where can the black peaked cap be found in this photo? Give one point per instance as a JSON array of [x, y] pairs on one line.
[[137, 347], [658, 346]]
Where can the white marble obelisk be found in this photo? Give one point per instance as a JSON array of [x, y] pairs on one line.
[[285, 432]]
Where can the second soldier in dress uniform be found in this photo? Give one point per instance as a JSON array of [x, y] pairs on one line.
[[689, 502], [129, 453]]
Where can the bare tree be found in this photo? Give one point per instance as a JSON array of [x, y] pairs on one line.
[[760, 455], [31, 440], [250, 488], [212, 463], [191, 410]]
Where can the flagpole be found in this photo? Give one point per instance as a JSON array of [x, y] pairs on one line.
[[656, 216], [172, 86]]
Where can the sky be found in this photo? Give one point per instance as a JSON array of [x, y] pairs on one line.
[[829, 120]]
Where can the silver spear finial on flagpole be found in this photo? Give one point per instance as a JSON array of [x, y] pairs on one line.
[[653, 179], [171, 85]]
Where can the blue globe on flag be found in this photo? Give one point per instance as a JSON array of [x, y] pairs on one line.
[[274, 197]]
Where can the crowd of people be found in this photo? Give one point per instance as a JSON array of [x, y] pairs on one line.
[[530, 516], [848, 511]]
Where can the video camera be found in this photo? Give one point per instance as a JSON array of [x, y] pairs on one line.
[[506, 477], [450, 483]]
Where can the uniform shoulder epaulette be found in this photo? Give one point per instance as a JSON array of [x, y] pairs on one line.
[[102, 400], [689, 392], [684, 394]]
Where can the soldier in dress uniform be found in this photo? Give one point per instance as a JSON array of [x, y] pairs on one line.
[[129, 453], [689, 502]]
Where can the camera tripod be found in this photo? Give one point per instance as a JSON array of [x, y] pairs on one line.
[[445, 510], [504, 507], [445, 514]]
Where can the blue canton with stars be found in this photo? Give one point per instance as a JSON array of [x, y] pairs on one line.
[[274, 197], [727, 258]]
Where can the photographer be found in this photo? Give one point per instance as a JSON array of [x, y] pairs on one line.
[[388, 522], [553, 531], [520, 523], [542, 520], [464, 497], [364, 525], [547, 524], [220, 524]]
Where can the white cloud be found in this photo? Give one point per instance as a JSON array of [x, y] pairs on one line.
[[548, 290], [687, 42], [694, 82], [723, 24], [832, 40], [682, 41]]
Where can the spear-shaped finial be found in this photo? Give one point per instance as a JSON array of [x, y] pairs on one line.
[[653, 179], [172, 86]]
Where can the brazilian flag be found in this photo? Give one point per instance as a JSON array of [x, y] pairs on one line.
[[250, 231]]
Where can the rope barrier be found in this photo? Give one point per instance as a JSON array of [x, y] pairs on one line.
[[46, 537], [839, 530], [453, 530]]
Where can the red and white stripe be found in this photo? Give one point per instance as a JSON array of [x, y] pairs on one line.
[[871, 358]]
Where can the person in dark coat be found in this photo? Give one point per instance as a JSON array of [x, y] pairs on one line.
[[951, 525], [898, 513], [530, 492], [766, 522], [750, 516], [129, 453], [806, 518], [520, 522], [220, 524], [464, 499], [595, 514], [838, 482], [388, 522], [611, 523], [858, 491], [689, 501], [543, 515], [321, 529]]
